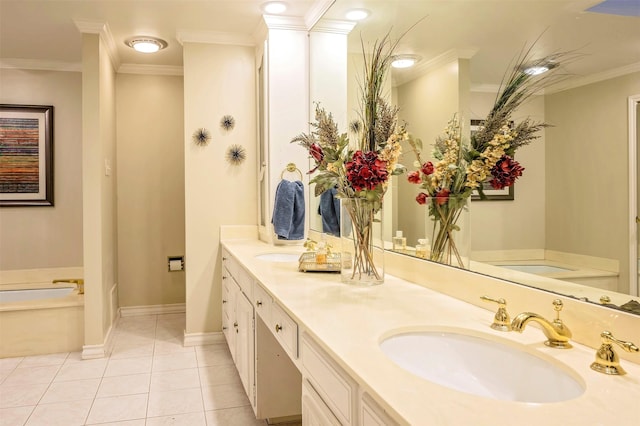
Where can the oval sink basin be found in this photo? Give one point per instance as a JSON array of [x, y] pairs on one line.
[[482, 367], [278, 257]]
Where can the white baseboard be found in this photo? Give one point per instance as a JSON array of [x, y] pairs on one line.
[[129, 311], [103, 350], [199, 339]]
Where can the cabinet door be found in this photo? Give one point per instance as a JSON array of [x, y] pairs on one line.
[[245, 344], [230, 292], [314, 411]]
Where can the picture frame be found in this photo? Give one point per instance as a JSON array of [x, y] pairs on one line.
[[491, 194], [26, 155]]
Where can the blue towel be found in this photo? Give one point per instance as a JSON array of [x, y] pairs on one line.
[[288, 210], [330, 211]]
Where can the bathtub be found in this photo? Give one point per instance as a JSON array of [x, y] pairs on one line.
[[37, 318]]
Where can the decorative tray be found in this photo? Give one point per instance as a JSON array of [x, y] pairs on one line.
[[307, 263]]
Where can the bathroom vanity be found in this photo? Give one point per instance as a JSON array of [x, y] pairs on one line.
[[305, 342]]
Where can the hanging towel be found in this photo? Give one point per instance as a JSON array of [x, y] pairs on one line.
[[330, 211], [288, 210]]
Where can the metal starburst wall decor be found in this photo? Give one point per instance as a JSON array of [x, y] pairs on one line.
[[227, 122], [201, 137], [236, 154]]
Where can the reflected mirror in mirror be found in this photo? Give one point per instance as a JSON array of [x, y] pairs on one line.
[[571, 227]]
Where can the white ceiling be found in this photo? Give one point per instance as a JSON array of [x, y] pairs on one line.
[[45, 30]]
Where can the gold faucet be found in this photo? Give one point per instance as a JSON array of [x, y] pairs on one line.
[[557, 333], [607, 360], [77, 281], [501, 320]]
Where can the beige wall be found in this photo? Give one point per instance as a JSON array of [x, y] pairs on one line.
[[150, 162], [586, 166], [426, 105], [47, 237], [218, 80], [517, 224], [99, 197]]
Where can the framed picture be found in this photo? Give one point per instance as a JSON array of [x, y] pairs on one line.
[[490, 193], [26, 155]]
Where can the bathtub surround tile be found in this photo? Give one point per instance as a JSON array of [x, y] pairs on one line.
[[15, 415], [124, 385], [190, 419], [175, 380], [127, 366], [71, 391], [240, 416], [174, 361], [223, 396], [181, 401], [118, 408], [15, 396], [29, 376], [43, 360], [70, 413]]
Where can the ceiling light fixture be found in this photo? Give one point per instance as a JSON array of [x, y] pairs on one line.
[[357, 14], [404, 61], [274, 7], [146, 44], [537, 68]]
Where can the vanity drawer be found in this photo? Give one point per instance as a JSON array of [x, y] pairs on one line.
[[285, 329], [371, 414], [262, 302], [245, 280], [335, 387]]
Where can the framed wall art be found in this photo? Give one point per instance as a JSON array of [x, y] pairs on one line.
[[26, 155]]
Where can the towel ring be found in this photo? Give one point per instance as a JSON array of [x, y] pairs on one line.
[[291, 168]]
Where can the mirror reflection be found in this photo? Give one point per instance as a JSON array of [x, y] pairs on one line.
[[569, 223]]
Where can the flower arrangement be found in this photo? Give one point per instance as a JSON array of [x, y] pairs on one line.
[[360, 169], [460, 166]]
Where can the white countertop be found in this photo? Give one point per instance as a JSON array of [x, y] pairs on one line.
[[349, 323]]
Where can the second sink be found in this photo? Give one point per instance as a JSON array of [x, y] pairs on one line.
[[482, 366]]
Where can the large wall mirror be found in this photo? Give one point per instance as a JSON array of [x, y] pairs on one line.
[[571, 225]]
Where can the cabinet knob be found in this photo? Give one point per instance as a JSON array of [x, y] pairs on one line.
[[235, 324], [258, 303], [224, 277], [278, 328], [224, 328], [224, 258], [224, 301]]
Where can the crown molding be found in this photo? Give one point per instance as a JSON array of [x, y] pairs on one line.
[[103, 30], [37, 64], [424, 67], [333, 26], [214, 37], [316, 12], [274, 22], [593, 78], [151, 69]]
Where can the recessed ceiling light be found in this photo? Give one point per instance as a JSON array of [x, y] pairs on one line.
[[274, 7], [404, 61], [146, 44], [357, 14], [538, 68]]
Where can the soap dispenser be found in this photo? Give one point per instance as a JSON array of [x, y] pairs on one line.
[[399, 242]]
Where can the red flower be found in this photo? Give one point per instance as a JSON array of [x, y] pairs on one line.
[[316, 152], [422, 198], [427, 168], [505, 172], [414, 177], [366, 170], [442, 197]]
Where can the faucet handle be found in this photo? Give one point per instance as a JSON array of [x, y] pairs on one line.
[[607, 360], [501, 320]]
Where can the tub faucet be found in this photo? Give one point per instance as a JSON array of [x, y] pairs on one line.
[[557, 333], [77, 281]]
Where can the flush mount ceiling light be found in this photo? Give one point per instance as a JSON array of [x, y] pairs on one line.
[[404, 61], [357, 14], [274, 7], [539, 68], [146, 44]]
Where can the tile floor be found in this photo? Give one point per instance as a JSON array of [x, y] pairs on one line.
[[149, 379]]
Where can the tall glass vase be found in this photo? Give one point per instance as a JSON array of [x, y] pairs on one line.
[[362, 250], [448, 231]]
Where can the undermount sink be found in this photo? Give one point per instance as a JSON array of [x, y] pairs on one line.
[[278, 257], [482, 367]]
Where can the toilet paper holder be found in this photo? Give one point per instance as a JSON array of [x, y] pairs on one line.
[[175, 263]]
